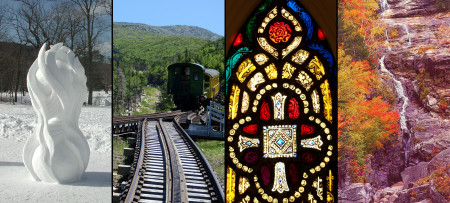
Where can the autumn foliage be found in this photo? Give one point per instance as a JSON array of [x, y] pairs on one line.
[[366, 120]]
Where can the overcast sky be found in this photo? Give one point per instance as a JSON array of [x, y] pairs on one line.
[[208, 14]]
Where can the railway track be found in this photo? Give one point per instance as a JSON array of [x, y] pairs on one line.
[[170, 167]]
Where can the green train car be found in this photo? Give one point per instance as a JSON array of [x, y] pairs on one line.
[[191, 84]]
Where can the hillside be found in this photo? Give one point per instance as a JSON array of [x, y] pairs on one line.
[[175, 30], [143, 53]]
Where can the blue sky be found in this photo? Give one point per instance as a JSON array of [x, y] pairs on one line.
[[208, 14]]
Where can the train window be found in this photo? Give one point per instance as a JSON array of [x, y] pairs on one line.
[[195, 75], [281, 132]]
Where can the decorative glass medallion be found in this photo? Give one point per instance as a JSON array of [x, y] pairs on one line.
[[281, 138]]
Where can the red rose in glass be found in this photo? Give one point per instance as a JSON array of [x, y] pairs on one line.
[[279, 32]]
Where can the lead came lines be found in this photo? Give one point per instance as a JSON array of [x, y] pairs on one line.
[[197, 186], [153, 189]]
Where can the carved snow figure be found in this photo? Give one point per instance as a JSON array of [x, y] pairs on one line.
[[57, 151]]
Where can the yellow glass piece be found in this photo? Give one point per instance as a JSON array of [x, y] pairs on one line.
[[271, 71], [261, 59], [300, 56], [234, 102], [246, 199], [316, 68], [245, 142], [243, 185], [304, 79], [245, 102], [267, 47], [280, 184], [272, 14], [245, 69], [319, 188], [255, 81], [325, 87], [231, 179], [330, 197], [279, 141], [311, 198], [330, 178], [294, 44], [290, 17], [288, 70], [278, 106], [316, 101]]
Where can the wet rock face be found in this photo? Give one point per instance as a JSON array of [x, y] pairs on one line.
[[406, 8], [418, 55], [356, 192]]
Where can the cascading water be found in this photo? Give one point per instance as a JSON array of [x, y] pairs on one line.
[[398, 88], [384, 5]]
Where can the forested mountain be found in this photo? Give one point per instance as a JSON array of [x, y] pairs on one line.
[[122, 29], [142, 54]]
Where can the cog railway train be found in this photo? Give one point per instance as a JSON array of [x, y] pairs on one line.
[[192, 85]]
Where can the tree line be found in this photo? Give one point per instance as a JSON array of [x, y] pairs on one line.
[[26, 25]]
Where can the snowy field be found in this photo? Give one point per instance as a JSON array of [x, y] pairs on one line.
[[99, 98], [17, 185]]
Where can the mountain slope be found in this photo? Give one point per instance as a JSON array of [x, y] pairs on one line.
[[175, 30]]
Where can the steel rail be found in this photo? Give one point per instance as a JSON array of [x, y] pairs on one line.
[[135, 181], [209, 171]]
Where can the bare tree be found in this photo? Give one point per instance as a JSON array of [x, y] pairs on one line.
[[93, 27]]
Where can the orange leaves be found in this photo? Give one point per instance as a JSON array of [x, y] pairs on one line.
[[365, 122]]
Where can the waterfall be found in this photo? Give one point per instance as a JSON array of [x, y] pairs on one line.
[[387, 41], [398, 86], [384, 5], [407, 32]]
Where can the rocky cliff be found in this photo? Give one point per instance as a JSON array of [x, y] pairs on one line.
[[415, 60]]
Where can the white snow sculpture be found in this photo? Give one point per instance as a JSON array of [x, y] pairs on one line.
[[57, 151]]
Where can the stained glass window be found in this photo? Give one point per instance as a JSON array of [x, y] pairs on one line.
[[281, 118]]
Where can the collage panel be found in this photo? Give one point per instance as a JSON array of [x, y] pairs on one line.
[[281, 119], [168, 87], [55, 101], [393, 101], [224, 101]]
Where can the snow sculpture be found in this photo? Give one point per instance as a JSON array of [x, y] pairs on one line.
[[57, 151]]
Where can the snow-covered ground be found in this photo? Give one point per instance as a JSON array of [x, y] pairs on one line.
[[17, 185], [99, 98]]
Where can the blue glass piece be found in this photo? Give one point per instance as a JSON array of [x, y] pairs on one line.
[[280, 142], [295, 154], [264, 127], [249, 143], [312, 143], [279, 180], [294, 126], [265, 156], [304, 16]]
